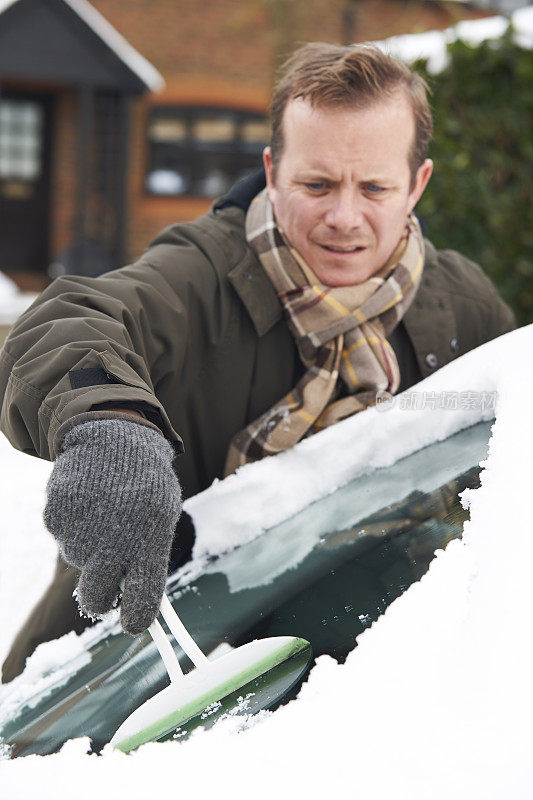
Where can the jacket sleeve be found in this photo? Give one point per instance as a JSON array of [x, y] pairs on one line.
[[114, 340]]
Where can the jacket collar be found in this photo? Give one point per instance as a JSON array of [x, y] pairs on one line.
[[253, 286]]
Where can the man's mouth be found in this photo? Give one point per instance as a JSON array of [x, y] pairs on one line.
[[334, 249]]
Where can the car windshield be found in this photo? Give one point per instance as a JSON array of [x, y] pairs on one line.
[[324, 575]]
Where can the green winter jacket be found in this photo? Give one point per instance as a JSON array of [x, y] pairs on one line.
[[192, 334]]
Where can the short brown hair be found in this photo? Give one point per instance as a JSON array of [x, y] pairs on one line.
[[356, 75]]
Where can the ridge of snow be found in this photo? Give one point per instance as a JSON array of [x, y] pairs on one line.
[[52, 664]]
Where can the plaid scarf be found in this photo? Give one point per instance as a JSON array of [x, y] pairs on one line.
[[340, 332]]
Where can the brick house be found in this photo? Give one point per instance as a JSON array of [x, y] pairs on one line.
[[118, 117]]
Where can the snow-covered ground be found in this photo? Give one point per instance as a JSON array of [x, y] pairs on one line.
[[27, 550], [435, 702], [12, 301]]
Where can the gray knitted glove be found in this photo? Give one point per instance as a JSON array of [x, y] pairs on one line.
[[113, 503]]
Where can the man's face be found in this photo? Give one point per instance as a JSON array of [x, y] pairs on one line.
[[342, 190]]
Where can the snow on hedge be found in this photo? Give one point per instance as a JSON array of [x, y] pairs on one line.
[[431, 45]]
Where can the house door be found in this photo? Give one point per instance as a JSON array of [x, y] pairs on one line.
[[25, 148]]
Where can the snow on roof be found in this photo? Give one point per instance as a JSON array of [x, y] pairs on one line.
[[137, 63], [431, 45]]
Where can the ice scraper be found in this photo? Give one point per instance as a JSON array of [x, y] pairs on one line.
[[208, 683]]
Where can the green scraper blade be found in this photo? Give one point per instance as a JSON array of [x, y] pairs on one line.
[[261, 672]]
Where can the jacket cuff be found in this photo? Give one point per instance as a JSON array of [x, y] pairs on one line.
[[91, 416]]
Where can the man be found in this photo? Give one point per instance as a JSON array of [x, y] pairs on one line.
[[279, 313]]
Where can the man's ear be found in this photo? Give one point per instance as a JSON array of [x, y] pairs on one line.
[[267, 163], [423, 174]]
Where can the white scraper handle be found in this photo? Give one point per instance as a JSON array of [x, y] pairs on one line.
[[183, 638], [166, 651], [181, 634]]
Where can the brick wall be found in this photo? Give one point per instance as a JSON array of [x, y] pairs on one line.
[[64, 164]]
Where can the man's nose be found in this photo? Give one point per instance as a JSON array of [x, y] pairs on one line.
[[344, 212]]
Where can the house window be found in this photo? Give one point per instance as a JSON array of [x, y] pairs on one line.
[[202, 151], [21, 125]]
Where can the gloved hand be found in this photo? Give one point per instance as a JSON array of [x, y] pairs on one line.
[[113, 501]]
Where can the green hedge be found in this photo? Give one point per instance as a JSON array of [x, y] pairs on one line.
[[480, 198]]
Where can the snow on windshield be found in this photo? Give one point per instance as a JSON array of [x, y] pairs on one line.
[[268, 492], [436, 700]]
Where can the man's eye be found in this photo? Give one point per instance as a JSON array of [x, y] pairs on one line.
[[316, 186], [373, 188]]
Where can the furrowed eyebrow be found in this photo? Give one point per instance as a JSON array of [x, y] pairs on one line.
[[313, 178], [320, 177]]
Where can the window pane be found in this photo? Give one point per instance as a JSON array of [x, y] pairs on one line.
[[213, 183], [207, 131], [168, 130], [255, 135], [202, 151], [20, 140], [166, 181]]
